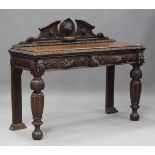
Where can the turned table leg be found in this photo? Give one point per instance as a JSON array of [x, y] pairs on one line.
[[37, 105], [109, 100], [37, 98], [16, 96], [135, 91]]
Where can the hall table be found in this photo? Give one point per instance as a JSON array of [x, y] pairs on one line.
[[64, 45]]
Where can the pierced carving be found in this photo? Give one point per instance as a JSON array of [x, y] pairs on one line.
[[66, 31]]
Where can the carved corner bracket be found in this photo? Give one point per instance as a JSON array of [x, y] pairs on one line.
[[37, 68], [141, 58]]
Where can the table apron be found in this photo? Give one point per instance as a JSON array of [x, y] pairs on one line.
[[76, 61]]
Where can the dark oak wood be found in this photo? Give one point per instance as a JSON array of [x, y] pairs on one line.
[[16, 96], [37, 99], [135, 91], [63, 46], [109, 102]]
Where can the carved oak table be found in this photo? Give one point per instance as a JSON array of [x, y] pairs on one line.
[[66, 45]]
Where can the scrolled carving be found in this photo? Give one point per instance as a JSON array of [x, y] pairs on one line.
[[84, 28], [81, 61], [67, 63], [66, 31], [117, 59], [52, 63], [88, 60], [50, 31], [101, 35]]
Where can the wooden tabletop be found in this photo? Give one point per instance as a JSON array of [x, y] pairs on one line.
[[71, 47]]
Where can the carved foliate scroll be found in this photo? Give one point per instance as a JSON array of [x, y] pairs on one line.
[[67, 31], [84, 29], [49, 31]]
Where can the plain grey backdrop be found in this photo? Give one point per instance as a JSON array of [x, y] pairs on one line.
[[81, 89]]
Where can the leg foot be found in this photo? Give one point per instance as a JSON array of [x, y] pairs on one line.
[[15, 127], [111, 110], [37, 133], [134, 117]]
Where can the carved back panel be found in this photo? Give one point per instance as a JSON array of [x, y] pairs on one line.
[[66, 31]]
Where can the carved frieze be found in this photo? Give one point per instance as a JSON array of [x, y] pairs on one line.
[[88, 60], [67, 62]]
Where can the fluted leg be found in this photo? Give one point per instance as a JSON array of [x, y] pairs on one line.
[[37, 105], [109, 100], [16, 97], [135, 91]]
